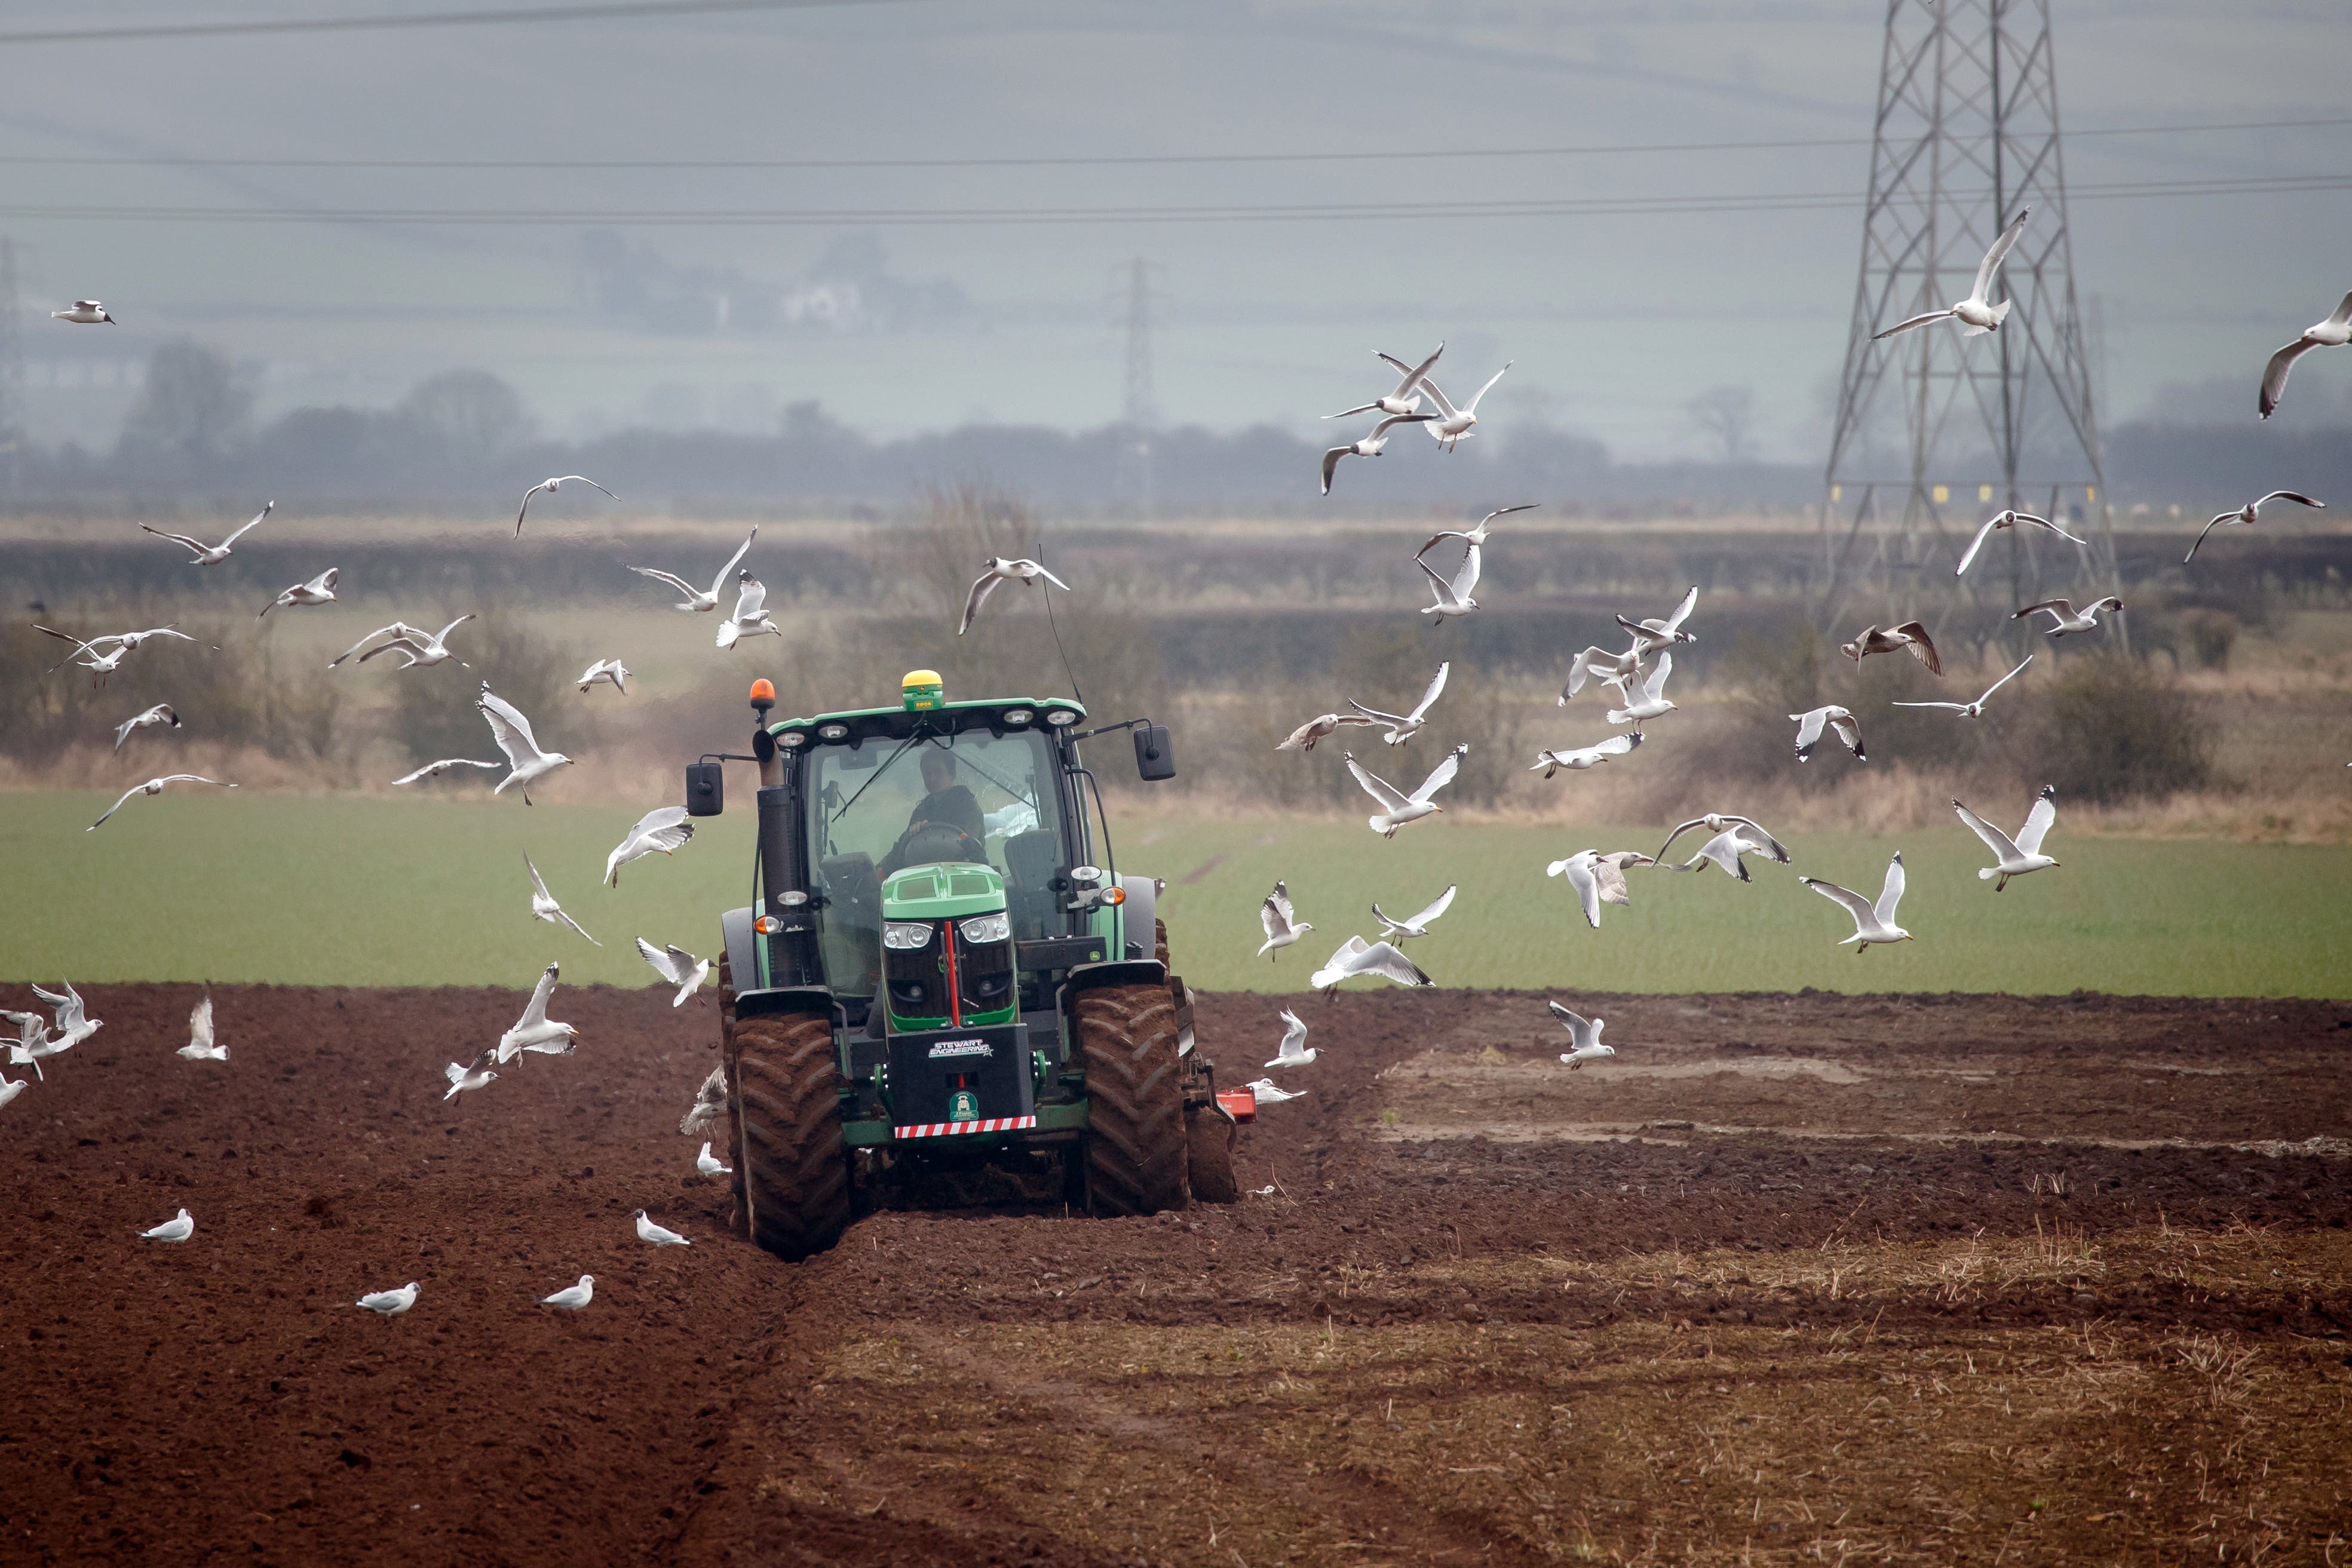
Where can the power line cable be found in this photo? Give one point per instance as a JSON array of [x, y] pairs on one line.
[[624, 10]]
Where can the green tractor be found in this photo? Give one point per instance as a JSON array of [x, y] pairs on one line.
[[942, 973]]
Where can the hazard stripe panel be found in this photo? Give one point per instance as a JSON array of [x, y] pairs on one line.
[[943, 1129]]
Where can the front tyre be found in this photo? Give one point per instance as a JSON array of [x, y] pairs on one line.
[[1135, 1099], [791, 1161]]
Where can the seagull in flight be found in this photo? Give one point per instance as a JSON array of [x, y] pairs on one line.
[[663, 829], [1282, 927], [1838, 721], [159, 713], [2004, 521], [1975, 708], [751, 618], [1292, 1052], [697, 601], [1600, 664], [1266, 1092], [389, 1303], [1371, 445], [320, 589], [1452, 598], [1455, 422], [658, 1235], [213, 554], [542, 903], [1977, 314], [1402, 727], [532, 1031], [2247, 515], [710, 1166], [1404, 400], [463, 1082], [1583, 757], [1598, 878], [1358, 957], [1725, 850], [1584, 1037], [435, 769], [417, 648], [119, 645], [1003, 570], [1304, 737], [1716, 823], [31, 1044], [612, 672], [1873, 923], [85, 313], [1911, 634], [155, 787], [551, 486], [179, 1228], [201, 1046], [678, 966], [1414, 924], [74, 1023], [526, 763], [2066, 619], [1655, 633], [2332, 333], [1651, 704], [1476, 535], [1397, 810], [571, 1297], [2015, 857]]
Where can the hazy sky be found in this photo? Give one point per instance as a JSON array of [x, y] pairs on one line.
[[1613, 321]]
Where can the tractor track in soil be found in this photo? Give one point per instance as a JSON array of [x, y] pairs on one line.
[[1010, 1387]]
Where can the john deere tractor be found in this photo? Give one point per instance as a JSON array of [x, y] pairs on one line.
[[943, 973]]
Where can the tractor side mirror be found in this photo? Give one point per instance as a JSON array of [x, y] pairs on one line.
[[706, 790], [1155, 760]]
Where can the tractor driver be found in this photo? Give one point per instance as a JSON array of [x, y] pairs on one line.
[[945, 804]]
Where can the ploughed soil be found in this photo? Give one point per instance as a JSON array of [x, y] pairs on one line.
[[1790, 1279]]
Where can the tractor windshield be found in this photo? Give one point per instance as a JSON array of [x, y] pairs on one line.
[[974, 796]]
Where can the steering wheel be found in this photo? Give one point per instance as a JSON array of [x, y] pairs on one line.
[[937, 841]]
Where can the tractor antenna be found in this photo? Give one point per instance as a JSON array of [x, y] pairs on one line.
[[1056, 629]]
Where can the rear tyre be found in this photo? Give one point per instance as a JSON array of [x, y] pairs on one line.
[[1135, 1099], [738, 1212], [790, 1162]]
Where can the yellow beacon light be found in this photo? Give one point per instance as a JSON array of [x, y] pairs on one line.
[[923, 692]]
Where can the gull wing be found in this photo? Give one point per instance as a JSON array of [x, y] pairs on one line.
[[1373, 716], [1982, 293], [1278, 903], [1440, 776], [1577, 1023], [536, 1012], [2342, 317], [325, 581], [2055, 606], [1763, 840], [1891, 894], [751, 601], [200, 1023], [1412, 377], [509, 729], [1389, 962], [989, 580], [2274, 374], [1975, 545], [1848, 729], [443, 634], [1383, 792], [665, 963], [1472, 406], [116, 806], [1915, 321], [1467, 579], [1853, 903], [1347, 412], [431, 768], [680, 583], [1956, 707], [1451, 411], [2199, 542], [1999, 842], [719, 583], [2039, 822], [2289, 495], [2046, 523], [1330, 466], [1654, 688], [1579, 872], [396, 628], [537, 882], [1444, 902], [1616, 744], [2001, 683], [1723, 850], [1435, 686], [197, 545], [1673, 622], [1039, 568], [1808, 732], [1392, 421], [255, 523], [1679, 832], [1923, 647], [1445, 594]]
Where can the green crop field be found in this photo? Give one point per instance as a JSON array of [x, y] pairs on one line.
[[303, 890]]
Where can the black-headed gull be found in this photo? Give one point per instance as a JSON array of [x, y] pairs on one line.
[[551, 486], [1643, 696], [179, 1228], [571, 1297], [155, 787], [533, 1031], [711, 1166], [1414, 924], [463, 1082], [1873, 923], [418, 649], [1402, 727], [1282, 925], [1398, 809], [1911, 635], [1598, 664], [1977, 314], [435, 769], [1266, 1092], [1001, 570], [709, 1103], [678, 966], [201, 1046], [2247, 515], [85, 313], [1358, 957], [1371, 445], [389, 1303], [1452, 596], [1728, 850], [2064, 619], [1579, 759], [1584, 1037], [32, 1042], [1975, 708], [751, 618], [1598, 878], [526, 763], [696, 599], [2332, 333], [2016, 856], [159, 713], [1452, 424], [1717, 821], [542, 903], [1405, 399], [1657, 631], [213, 554], [74, 1023], [320, 589], [612, 672], [1293, 1052], [650, 1232], [9, 1090], [116, 646], [1838, 721], [1304, 737], [1476, 535], [2002, 522], [660, 830]]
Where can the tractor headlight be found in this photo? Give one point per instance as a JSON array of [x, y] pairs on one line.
[[906, 936], [1061, 718], [792, 739], [833, 732], [1016, 718], [985, 929]]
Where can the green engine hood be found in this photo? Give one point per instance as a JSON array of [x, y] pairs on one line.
[[948, 892]]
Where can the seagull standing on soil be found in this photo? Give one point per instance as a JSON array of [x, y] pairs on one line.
[[1839, 721], [2247, 515], [435, 769], [1414, 925], [213, 554], [85, 313], [2063, 617], [418, 649], [571, 1297], [610, 671], [1358, 957], [1597, 663], [661, 830], [1397, 810], [1583, 757], [155, 787], [551, 486], [697, 601], [648, 1231], [2015, 857], [1476, 535], [1453, 423], [1975, 708], [1282, 927], [320, 589], [2009, 519], [461, 1080], [200, 1046], [1304, 737], [1453, 597], [1872, 922], [1911, 635], [1371, 445], [1003, 570], [678, 966], [526, 763], [1717, 821], [1292, 1052], [1651, 704], [159, 713], [1404, 400], [542, 903], [710, 1166], [1657, 632], [1598, 878], [532, 1031], [2332, 333], [1584, 1036], [1977, 314], [1402, 727], [389, 1303], [179, 1228], [751, 618]]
